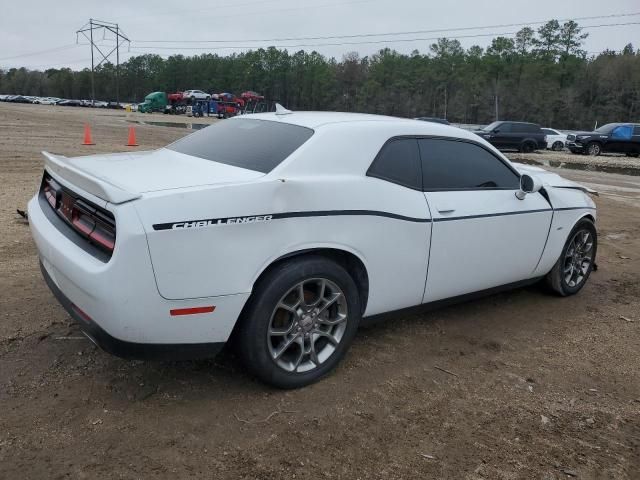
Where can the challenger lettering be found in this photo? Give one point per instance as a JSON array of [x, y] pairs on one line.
[[221, 221]]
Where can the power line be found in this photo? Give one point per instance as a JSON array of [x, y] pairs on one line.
[[334, 44], [407, 32], [40, 52]]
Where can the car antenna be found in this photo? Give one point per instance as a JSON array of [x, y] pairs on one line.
[[280, 110]]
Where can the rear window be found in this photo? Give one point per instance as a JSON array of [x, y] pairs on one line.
[[258, 145]]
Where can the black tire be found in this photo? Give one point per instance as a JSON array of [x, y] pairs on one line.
[[556, 279], [253, 339], [527, 146], [594, 149], [633, 155], [557, 146]]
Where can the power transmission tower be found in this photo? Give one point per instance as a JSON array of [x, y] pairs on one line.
[[103, 27]]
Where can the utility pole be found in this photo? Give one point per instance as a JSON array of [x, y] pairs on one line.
[[120, 39]]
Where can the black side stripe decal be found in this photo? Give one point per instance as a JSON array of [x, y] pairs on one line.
[[332, 213], [487, 215], [573, 208], [207, 222]]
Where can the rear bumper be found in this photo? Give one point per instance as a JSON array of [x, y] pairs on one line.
[[120, 295], [130, 350]]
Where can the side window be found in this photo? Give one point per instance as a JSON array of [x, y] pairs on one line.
[[398, 162], [623, 132], [548, 131], [525, 128], [636, 130], [457, 165], [505, 128]]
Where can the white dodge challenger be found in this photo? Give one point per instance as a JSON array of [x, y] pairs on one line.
[[283, 230]]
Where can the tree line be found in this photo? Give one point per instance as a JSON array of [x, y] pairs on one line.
[[542, 75]]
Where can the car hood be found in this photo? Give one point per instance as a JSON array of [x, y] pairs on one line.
[[121, 177]]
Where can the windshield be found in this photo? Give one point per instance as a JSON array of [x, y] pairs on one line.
[[258, 145], [491, 126], [606, 128]]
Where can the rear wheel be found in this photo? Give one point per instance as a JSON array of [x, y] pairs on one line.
[[299, 322], [572, 270], [557, 146], [527, 147], [594, 149]]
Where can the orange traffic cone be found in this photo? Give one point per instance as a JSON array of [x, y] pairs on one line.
[[132, 137], [87, 135]]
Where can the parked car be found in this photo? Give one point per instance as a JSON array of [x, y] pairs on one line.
[[443, 121], [610, 138], [555, 139], [19, 99], [522, 136], [195, 95], [70, 103], [230, 230]]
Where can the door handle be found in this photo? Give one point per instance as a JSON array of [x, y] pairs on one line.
[[446, 210]]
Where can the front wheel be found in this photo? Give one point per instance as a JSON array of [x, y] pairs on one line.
[[594, 149], [572, 270], [299, 322]]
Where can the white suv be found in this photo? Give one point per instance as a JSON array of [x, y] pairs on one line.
[[195, 95]]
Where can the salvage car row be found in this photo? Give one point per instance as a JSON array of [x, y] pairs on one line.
[[526, 137], [59, 101]]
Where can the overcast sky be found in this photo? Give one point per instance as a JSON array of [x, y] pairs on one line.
[[32, 26]]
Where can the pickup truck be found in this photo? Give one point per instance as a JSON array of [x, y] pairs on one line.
[[522, 136]]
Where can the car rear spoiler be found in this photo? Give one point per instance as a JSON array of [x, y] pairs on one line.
[[59, 165]]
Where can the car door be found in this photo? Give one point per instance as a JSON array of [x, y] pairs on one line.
[[620, 139], [635, 140], [501, 136], [482, 235]]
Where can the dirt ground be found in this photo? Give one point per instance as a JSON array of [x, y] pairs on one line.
[[540, 387]]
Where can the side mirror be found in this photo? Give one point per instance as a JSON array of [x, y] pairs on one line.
[[496, 130], [528, 184]]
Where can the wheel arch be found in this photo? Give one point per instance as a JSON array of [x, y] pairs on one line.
[[349, 260], [587, 216]]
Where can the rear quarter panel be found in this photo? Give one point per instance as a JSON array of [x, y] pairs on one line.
[[227, 259]]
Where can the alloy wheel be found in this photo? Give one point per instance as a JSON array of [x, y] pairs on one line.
[[578, 258], [594, 149], [307, 325]]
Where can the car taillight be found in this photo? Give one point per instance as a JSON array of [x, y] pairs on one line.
[[94, 224], [51, 192]]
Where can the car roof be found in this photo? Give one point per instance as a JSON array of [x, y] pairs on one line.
[[318, 119]]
